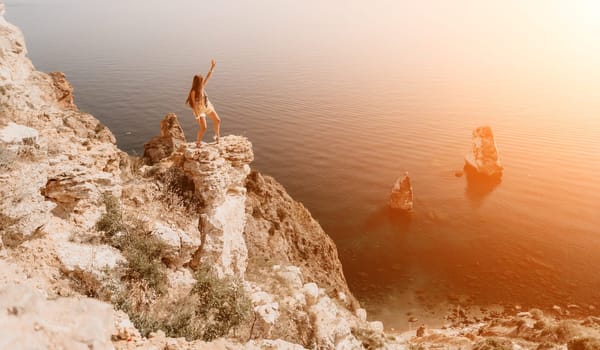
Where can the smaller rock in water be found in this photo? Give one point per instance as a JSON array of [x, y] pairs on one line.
[[484, 155], [402, 194]]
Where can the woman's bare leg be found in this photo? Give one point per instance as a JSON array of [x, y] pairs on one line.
[[201, 130], [216, 124]]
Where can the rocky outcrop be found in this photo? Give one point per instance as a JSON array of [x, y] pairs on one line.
[[218, 172], [401, 197], [170, 138], [280, 230], [483, 157], [63, 90]]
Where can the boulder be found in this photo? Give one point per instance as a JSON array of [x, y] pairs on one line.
[[91, 258], [30, 321], [170, 138], [18, 134], [484, 157], [401, 197], [290, 275], [180, 245], [333, 329], [264, 305]]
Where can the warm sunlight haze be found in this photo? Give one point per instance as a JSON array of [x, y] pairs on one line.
[[338, 100]]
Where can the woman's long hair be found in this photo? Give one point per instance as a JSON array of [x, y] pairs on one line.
[[196, 87]]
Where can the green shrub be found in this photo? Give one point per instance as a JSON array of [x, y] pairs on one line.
[[213, 308], [111, 221], [144, 253], [84, 282], [223, 303]]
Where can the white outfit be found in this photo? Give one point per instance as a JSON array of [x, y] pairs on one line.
[[203, 110]]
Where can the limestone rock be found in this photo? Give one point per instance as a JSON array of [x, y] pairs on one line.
[[64, 90], [484, 156], [311, 293], [281, 230], [361, 314], [170, 138], [65, 323], [402, 194], [123, 327], [265, 307], [180, 281], [181, 245], [218, 172], [332, 329], [90, 258], [290, 275], [80, 190], [18, 134]]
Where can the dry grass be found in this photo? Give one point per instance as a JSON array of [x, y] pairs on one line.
[[111, 222], [135, 164], [145, 254], [85, 283], [212, 309], [178, 189], [143, 251]]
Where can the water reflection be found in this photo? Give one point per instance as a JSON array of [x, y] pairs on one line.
[[388, 220], [479, 186]]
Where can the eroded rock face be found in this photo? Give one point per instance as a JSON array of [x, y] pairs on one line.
[[484, 155], [282, 231], [218, 172], [170, 138], [401, 197], [63, 89]]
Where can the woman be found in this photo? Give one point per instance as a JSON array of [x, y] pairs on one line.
[[201, 106]]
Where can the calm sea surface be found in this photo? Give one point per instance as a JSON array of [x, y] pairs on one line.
[[341, 97]]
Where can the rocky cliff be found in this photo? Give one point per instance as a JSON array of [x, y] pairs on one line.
[[81, 218], [186, 248]]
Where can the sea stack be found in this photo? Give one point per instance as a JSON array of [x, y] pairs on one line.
[[401, 197], [484, 157]]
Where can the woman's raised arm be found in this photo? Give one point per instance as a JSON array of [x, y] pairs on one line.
[[209, 74]]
